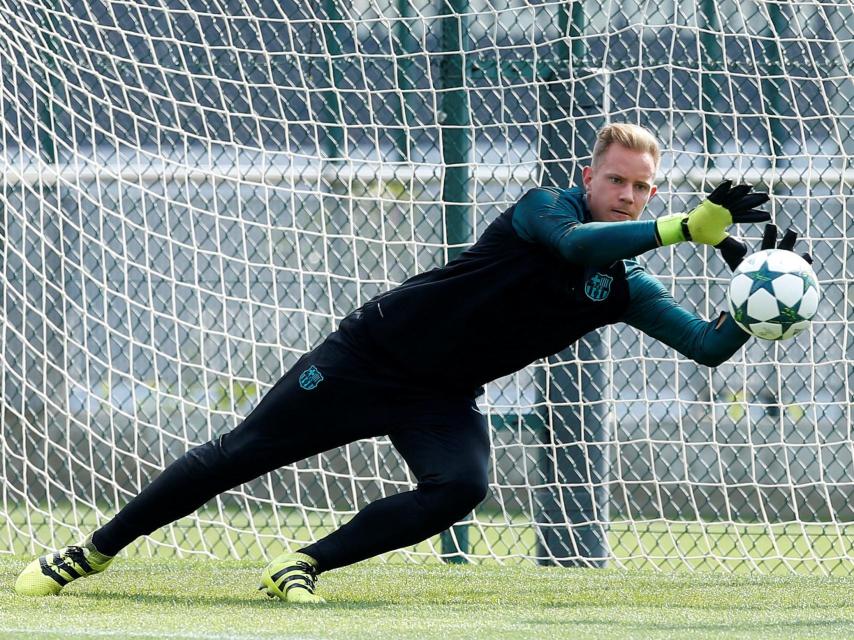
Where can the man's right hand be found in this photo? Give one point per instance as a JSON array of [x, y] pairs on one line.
[[707, 223]]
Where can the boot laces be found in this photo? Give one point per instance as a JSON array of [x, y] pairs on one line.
[[310, 570]]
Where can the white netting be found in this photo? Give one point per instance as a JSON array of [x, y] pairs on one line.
[[195, 193]]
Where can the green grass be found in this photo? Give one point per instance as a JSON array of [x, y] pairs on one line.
[[205, 599]]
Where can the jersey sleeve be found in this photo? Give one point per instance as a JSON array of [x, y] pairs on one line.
[[654, 311], [556, 219]]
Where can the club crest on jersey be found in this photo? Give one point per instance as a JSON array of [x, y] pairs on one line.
[[310, 378], [598, 287]]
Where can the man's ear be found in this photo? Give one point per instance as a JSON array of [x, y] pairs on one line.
[[652, 192], [586, 176]]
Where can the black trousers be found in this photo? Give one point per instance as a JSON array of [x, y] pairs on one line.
[[333, 396]]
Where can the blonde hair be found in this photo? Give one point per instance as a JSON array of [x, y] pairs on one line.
[[630, 136]]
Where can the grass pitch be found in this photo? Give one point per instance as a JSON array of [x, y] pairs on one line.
[[206, 599]]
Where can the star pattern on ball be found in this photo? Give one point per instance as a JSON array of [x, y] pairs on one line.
[[807, 280], [788, 316], [762, 278]]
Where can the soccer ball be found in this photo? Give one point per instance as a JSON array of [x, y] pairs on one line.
[[773, 294]]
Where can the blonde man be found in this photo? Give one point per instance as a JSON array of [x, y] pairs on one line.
[[410, 363]]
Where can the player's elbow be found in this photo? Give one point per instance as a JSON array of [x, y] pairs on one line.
[[711, 359], [711, 351]]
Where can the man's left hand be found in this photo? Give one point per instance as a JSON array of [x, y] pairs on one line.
[[733, 251]]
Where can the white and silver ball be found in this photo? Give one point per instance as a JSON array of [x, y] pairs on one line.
[[773, 294]]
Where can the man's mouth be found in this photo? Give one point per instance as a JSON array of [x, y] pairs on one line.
[[623, 213]]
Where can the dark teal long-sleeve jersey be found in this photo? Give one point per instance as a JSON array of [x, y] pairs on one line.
[[552, 216], [540, 277]]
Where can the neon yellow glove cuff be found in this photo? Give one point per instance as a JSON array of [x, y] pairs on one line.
[[669, 229]]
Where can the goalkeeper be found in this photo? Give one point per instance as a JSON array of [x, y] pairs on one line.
[[410, 363]]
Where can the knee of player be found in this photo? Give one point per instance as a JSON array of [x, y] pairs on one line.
[[466, 490], [478, 490]]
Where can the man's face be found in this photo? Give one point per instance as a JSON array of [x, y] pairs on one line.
[[620, 184]]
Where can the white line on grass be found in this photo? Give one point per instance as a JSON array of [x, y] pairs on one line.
[[121, 633]]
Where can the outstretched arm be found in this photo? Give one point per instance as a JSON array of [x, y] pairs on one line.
[[555, 218], [654, 311], [558, 219]]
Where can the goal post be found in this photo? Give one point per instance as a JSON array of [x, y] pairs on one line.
[[194, 193]]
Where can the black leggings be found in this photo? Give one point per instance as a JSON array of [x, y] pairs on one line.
[[331, 397]]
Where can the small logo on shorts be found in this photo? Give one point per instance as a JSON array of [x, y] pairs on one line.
[[598, 287], [310, 378]]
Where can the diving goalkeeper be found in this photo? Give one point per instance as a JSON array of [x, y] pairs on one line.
[[410, 363]]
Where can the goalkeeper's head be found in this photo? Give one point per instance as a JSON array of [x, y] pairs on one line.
[[621, 178]]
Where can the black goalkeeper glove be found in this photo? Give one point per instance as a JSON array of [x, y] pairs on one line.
[[707, 223], [733, 251]]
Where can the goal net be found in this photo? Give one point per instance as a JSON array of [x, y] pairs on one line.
[[194, 193]]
